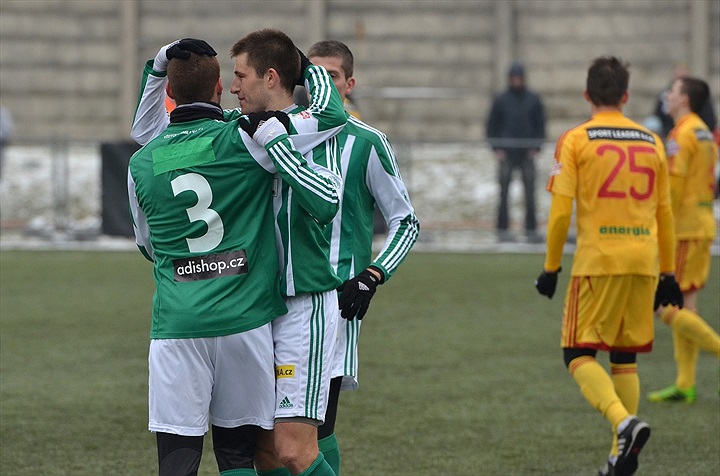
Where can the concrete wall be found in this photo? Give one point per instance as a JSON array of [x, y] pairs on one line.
[[426, 70]]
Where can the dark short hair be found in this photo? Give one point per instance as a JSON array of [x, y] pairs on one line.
[[335, 49], [516, 69], [270, 48], [697, 92], [193, 79], [607, 81]]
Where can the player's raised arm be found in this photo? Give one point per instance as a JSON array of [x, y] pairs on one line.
[[326, 115], [316, 188], [151, 117], [324, 118]]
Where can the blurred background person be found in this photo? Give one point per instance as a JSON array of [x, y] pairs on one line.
[[515, 130], [692, 156], [7, 130], [706, 111]]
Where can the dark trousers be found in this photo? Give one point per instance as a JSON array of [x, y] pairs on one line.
[[517, 160]]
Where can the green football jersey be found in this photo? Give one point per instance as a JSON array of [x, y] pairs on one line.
[[302, 244], [371, 179], [303, 247], [202, 209]]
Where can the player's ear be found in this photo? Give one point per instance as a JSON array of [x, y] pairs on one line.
[[272, 78], [350, 85], [587, 97], [625, 97], [169, 92]]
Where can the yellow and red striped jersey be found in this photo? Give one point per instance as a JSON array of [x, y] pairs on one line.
[[692, 154], [616, 172]]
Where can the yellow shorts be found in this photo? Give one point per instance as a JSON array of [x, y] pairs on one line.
[[692, 264], [612, 313]]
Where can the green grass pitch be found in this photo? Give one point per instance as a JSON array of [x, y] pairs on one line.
[[461, 374]]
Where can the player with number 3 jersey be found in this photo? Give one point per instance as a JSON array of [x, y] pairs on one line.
[[265, 74], [201, 200]]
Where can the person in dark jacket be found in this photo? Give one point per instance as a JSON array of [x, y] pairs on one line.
[[516, 131]]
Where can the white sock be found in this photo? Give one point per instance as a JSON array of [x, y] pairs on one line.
[[623, 424]]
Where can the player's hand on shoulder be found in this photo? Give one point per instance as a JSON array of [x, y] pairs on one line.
[[265, 126]]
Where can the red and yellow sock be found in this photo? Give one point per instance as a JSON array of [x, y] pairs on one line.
[[686, 356], [598, 389], [627, 386], [691, 326]]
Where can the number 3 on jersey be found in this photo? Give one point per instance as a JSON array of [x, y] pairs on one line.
[[607, 191], [200, 212]]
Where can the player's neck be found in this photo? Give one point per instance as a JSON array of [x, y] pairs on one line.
[[603, 108], [680, 113], [280, 102]]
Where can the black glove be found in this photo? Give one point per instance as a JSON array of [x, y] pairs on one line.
[[668, 292], [547, 282], [356, 294], [184, 47], [250, 122], [304, 63]]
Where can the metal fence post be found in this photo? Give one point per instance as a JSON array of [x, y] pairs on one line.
[[60, 183]]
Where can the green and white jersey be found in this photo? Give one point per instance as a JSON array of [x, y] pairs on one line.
[[371, 178], [202, 209], [303, 247]]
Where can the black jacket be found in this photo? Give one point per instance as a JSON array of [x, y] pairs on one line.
[[516, 114]]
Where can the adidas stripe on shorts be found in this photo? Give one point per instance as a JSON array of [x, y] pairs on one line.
[[304, 345]]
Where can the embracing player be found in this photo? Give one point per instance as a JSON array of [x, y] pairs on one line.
[[202, 209], [267, 67]]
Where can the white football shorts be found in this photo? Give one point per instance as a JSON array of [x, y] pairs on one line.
[[345, 360], [228, 381], [304, 346]]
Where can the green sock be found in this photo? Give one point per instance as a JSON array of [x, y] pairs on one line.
[[320, 467], [275, 472], [238, 472], [330, 449]]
